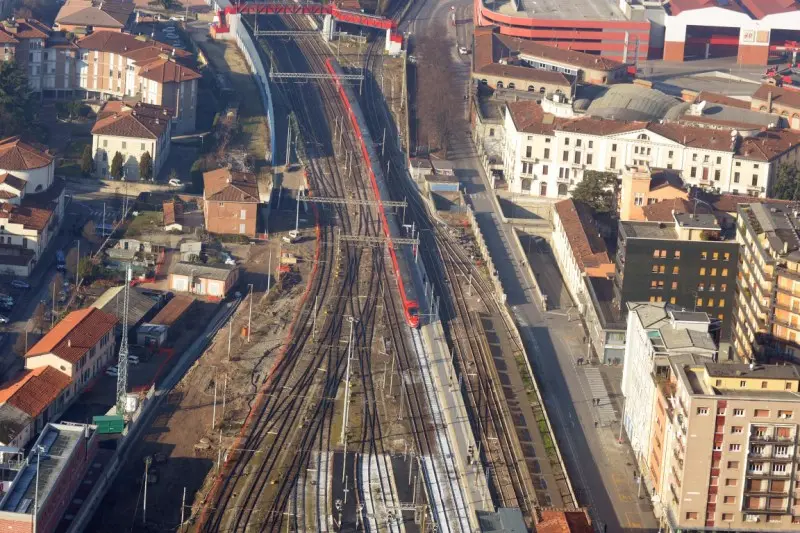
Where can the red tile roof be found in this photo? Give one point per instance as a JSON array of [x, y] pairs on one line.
[[662, 211], [174, 309], [783, 97], [721, 99], [560, 55], [564, 521], [173, 211], [34, 218], [167, 71], [75, 335], [34, 390], [729, 203], [225, 185], [524, 73], [529, 117], [13, 181], [141, 121], [587, 246], [17, 155], [762, 8], [24, 29]]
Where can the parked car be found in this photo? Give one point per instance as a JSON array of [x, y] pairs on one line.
[[174, 182], [20, 284], [112, 371], [463, 50], [3, 319]]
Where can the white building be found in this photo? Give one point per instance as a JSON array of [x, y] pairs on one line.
[[656, 331], [547, 156]]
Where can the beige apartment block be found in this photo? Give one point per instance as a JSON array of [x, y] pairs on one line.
[[767, 320]]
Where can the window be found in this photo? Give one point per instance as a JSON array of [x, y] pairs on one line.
[[754, 181], [142, 148], [723, 287], [734, 448], [729, 500], [702, 411], [694, 157], [692, 515], [782, 451], [702, 271], [105, 143], [491, 132], [676, 270], [654, 269], [699, 302], [715, 256], [756, 467], [757, 449], [677, 254], [661, 269], [242, 228], [719, 160], [738, 412], [743, 383], [727, 517], [764, 385], [785, 414], [673, 300], [674, 285], [713, 271], [710, 302], [779, 467], [704, 255], [736, 176], [566, 155], [577, 158], [701, 287], [736, 430], [724, 272], [613, 163], [656, 253], [670, 154], [528, 151], [721, 302], [693, 172], [124, 145], [712, 287], [566, 141], [726, 257], [588, 159], [545, 170], [613, 147], [242, 214], [653, 284], [577, 142], [718, 383], [733, 465], [547, 153], [717, 174], [788, 386]]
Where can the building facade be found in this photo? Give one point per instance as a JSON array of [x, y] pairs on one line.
[[230, 202], [132, 131], [81, 346], [204, 280], [767, 320], [642, 187], [686, 264], [547, 156]]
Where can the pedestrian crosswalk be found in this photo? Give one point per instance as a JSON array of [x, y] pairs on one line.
[[599, 393]]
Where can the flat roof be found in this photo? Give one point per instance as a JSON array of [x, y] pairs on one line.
[[731, 370], [57, 442], [557, 9], [648, 230], [697, 221]]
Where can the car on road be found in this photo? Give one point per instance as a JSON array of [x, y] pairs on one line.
[[20, 284], [3, 319], [174, 182], [112, 371], [463, 50]]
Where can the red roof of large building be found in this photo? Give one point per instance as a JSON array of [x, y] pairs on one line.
[[564, 521], [17, 155], [75, 335], [33, 390], [587, 246]]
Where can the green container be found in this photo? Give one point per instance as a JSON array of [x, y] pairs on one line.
[[109, 424]]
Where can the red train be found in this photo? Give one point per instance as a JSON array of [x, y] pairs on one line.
[[400, 262]]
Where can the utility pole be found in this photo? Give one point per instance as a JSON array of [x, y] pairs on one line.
[[269, 274], [147, 461], [230, 334], [224, 397], [288, 139], [343, 437], [183, 508], [383, 144], [249, 319], [297, 212], [316, 302], [214, 410]]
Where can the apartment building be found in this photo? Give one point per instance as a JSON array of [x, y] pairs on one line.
[[81, 346], [31, 205], [230, 202], [547, 156], [131, 130], [642, 186], [655, 332], [86, 16], [767, 320], [118, 65], [688, 262]]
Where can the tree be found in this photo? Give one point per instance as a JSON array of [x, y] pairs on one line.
[[90, 232], [787, 183], [598, 190], [146, 167], [87, 268], [117, 166], [55, 290], [437, 112], [166, 4], [173, 175], [87, 162], [71, 263], [17, 110], [21, 344], [38, 317]]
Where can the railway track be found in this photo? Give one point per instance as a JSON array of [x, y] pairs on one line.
[[500, 450]]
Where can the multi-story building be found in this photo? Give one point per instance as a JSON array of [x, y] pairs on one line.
[[642, 186], [689, 263], [132, 131], [31, 205], [59, 460], [767, 320], [29, 401], [82, 345], [85, 16], [230, 202], [547, 156], [656, 332], [778, 100], [118, 65], [102, 65]]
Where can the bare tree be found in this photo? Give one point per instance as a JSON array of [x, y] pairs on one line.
[[72, 263], [21, 344], [38, 320], [436, 91], [90, 232]]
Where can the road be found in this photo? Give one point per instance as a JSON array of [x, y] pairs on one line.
[[599, 467]]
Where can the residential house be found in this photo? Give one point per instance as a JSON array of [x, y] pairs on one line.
[[86, 16], [31, 205], [139, 67], [204, 280], [547, 156], [81, 346], [642, 186], [30, 400], [230, 202], [132, 131], [173, 215]]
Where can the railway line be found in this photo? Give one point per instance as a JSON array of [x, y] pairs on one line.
[[500, 450]]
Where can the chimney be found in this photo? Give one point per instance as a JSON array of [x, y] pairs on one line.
[[769, 102], [69, 343]]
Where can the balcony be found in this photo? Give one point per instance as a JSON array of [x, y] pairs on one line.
[[769, 438], [765, 492]]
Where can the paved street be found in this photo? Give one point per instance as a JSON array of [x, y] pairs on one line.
[[606, 482]]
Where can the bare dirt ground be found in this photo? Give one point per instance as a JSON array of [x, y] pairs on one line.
[[182, 429]]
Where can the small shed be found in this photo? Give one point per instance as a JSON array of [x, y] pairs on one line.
[[141, 306], [152, 335], [173, 313], [213, 280], [191, 250]]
